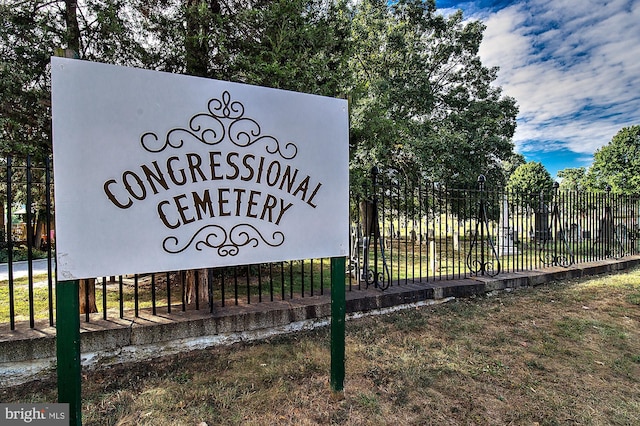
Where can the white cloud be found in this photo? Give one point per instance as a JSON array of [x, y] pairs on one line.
[[572, 65]]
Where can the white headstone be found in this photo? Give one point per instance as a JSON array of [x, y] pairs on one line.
[[507, 243]]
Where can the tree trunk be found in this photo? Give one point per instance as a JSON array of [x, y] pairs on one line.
[[38, 240], [197, 63], [202, 287], [72, 38], [73, 29], [369, 219], [90, 286], [196, 37]]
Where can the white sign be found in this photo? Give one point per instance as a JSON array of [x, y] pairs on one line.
[[159, 172]]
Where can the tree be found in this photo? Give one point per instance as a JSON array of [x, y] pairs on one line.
[[300, 45], [573, 179], [32, 30], [28, 30], [422, 101], [617, 164], [531, 182], [26, 38], [511, 164]]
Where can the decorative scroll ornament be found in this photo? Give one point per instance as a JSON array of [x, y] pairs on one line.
[[378, 277], [224, 120], [482, 257], [555, 250], [227, 244]]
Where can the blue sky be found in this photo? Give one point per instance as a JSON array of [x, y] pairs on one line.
[[572, 65]]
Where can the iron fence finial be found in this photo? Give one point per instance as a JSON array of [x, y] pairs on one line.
[[481, 180]]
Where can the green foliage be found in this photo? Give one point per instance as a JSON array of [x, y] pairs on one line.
[[298, 45], [21, 254], [531, 177], [511, 164], [422, 102], [109, 33], [572, 179], [617, 164], [531, 182], [26, 35], [32, 30]]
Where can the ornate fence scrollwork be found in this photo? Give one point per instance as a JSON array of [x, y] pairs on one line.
[[560, 254], [482, 257], [378, 277]]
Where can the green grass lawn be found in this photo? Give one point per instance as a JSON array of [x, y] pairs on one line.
[[21, 299]]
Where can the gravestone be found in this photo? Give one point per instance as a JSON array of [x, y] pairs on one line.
[[507, 241], [542, 224], [622, 232], [574, 232], [606, 227]]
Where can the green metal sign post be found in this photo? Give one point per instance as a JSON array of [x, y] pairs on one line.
[[338, 309], [68, 332], [68, 348]]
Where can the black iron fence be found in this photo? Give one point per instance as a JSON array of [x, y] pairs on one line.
[[26, 234], [424, 231], [401, 232]]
